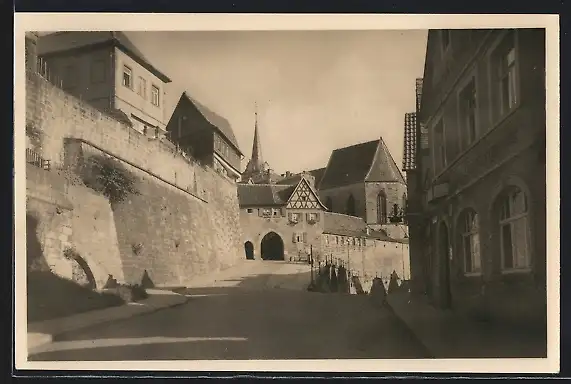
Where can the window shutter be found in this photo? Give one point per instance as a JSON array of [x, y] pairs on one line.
[[317, 217], [307, 217], [305, 237], [283, 211], [289, 216], [294, 238], [260, 212]]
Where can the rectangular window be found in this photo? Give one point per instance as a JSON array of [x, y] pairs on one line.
[[98, 71], [127, 77], [142, 88], [440, 145], [294, 217], [266, 212], [155, 93], [468, 113], [250, 210], [504, 76], [312, 217]]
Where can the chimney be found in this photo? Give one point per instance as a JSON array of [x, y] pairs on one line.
[[288, 174]]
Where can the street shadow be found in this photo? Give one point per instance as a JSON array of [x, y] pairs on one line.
[[246, 321]]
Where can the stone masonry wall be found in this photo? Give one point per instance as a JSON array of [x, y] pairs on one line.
[[376, 258], [48, 221], [184, 221]]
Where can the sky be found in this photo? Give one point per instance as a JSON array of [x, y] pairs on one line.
[[315, 90]]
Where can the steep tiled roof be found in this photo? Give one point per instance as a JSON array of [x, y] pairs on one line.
[[263, 195], [216, 120], [370, 161], [409, 157], [349, 165], [59, 42], [344, 225]]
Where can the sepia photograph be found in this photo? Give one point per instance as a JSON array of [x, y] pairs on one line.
[[280, 195]]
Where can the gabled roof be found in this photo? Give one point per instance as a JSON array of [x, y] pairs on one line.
[[370, 161], [263, 195], [303, 182], [60, 42], [218, 122], [409, 157], [384, 167], [349, 165]]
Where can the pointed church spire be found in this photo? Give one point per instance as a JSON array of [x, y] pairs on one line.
[[256, 163], [257, 146]]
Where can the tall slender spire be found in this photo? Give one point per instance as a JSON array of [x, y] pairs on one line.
[[256, 161]]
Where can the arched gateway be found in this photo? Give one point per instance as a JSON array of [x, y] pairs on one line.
[[272, 247]]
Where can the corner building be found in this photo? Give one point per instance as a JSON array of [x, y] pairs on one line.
[[481, 174]]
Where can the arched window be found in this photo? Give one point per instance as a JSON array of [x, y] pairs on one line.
[[382, 208], [329, 203], [351, 205], [514, 229], [469, 241]]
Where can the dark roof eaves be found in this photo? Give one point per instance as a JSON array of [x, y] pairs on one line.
[[114, 42], [216, 128]]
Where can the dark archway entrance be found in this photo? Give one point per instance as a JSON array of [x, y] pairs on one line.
[[444, 267], [272, 247], [249, 248]]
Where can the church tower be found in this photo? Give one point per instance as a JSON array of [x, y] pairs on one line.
[[255, 165], [257, 171]]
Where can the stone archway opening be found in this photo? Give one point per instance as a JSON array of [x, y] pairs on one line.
[[81, 273], [249, 249], [272, 247]]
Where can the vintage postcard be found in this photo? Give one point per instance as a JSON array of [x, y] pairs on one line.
[[364, 193]]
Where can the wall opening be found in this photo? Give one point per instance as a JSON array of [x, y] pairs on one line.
[[272, 247], [82, 274], [444, 267], [249, 248]]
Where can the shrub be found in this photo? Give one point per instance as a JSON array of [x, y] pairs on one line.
[[109, 177], [129, 293]]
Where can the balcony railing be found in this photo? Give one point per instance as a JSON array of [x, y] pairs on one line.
[[34, 158]]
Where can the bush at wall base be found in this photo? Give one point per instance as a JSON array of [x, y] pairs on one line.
[[128, 293]]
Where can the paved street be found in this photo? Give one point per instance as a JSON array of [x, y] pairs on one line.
[[257, 310]]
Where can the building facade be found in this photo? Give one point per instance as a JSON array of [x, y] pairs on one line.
[[205, 136], [363, 180], [482, 178], [108, 71], [281, 222]]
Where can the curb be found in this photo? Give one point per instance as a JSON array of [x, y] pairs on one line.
[[429, 354], [37, 339]]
